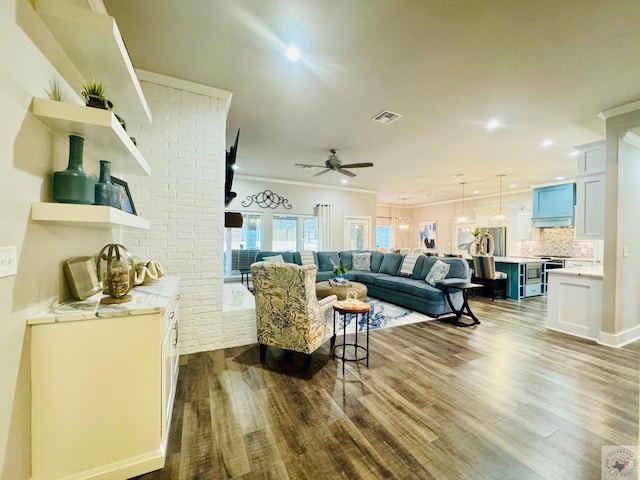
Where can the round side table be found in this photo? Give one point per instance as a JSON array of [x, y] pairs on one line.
[[350, 352]]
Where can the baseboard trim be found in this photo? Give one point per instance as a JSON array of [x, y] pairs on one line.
[[131, 467], [619, 339]]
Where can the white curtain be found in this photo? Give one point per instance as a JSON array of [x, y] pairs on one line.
[[323, 212]]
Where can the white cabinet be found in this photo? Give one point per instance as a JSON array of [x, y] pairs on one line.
[[103, 383], [590, 185], [578, 263], [591, 158], [523, 226]]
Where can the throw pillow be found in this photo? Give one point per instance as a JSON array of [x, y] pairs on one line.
[[437, 273], [361, 261], [306, 258], [274, 259], [408, 263]]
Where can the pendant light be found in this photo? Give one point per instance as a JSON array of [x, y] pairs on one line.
[[462, 222], [404, 224], [499, 218]]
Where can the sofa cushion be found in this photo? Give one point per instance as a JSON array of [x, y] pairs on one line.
[[438, 272], [361, 261], [408, 264], [365, 277], [391, 263], [419, 289], [387, 281], [327, 261], [376, 261]]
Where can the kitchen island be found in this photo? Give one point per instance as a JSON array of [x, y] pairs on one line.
[[516, 270], [574, 301]]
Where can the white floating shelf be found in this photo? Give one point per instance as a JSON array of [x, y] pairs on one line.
[[96, 216], [93, 43], [105, 139]]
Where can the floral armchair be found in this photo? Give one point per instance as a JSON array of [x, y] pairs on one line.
[[288, 313]]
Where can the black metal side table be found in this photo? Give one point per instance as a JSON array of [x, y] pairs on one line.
[[359, 352], [466, 288]]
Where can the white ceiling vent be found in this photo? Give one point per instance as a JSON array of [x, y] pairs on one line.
[[386, 117]]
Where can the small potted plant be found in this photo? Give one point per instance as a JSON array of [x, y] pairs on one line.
[[94, 95], [340, 271]]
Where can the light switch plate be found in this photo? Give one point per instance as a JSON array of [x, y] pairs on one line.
[[8, 261]]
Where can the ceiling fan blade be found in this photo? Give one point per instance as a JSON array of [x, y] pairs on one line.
[[357, 165], [324, 171], [346, 172], [305, 165]]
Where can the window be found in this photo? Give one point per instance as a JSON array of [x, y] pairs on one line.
[[294, 233], [241, 244], [384, 233]]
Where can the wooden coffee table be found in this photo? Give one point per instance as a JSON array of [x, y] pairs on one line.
[[324, 289]]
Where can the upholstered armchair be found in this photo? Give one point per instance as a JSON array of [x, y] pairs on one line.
[[288, 313]]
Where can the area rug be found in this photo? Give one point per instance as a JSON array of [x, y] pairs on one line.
[[382, 315]]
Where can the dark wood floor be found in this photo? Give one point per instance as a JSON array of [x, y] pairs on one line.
[[503, 400]]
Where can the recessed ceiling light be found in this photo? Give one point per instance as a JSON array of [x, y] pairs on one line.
[[546, 143], [560, 178], [493, 124], [475, 192], [513, 185], [292, 53], [575, 153], [344, 180]]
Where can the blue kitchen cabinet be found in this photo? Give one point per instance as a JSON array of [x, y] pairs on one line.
[[554, 206]]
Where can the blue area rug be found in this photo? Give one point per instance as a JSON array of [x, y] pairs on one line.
[[382, 315]]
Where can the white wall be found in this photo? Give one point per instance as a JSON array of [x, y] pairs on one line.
[[478, 210], [184, 200], [303, 198], [29, 154]]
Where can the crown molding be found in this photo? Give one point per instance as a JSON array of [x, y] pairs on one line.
[[302, 184], [620, 110], [180, 84]]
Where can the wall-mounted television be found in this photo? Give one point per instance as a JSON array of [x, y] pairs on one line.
[[230, 162]]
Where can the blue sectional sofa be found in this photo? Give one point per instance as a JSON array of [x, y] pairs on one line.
[[384, 280]]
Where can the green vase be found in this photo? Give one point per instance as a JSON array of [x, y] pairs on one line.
[[73, 185], [104, 187]]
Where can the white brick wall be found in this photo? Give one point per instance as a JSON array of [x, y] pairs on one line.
[[184, 200]]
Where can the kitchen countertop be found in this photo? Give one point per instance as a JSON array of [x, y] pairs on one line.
[[152, 298], [514, 259], [594, 271]]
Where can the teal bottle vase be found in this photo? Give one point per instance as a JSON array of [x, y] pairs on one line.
[[104, 187], [73, 185]]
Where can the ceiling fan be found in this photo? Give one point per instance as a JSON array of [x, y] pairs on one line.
[[334, 163]]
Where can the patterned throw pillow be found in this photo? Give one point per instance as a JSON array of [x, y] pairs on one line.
[[306, 257], [438, 272], [361, 261], [274, 259], [408, 263]]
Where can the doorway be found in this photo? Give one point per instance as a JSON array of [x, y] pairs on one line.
[[357, 234]]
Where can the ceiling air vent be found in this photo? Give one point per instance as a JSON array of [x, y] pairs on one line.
[[386, 117]]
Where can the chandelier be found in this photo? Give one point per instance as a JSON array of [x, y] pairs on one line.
[[404, 224], [462, 221], [499, 218]]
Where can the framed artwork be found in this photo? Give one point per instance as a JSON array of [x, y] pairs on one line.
[[125, 202], [428, 234]]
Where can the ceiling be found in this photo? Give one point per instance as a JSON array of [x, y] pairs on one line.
[[543, 68]]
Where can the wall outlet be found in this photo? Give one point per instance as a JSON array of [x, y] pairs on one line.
[[8, 261]]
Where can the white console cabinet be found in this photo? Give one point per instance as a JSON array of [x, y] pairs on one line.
[[103, 383]]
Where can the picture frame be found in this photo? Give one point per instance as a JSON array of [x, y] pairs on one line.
[[428, 234], [124, 196]]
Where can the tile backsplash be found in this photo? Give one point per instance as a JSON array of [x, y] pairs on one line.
[[559, 242]]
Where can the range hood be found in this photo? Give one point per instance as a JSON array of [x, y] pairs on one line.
[[552, 222], [554, 206]]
